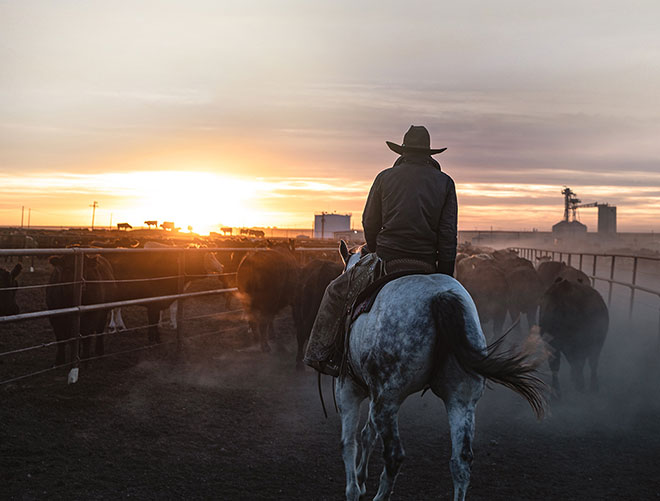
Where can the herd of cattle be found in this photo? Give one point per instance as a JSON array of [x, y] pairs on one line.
[[572, 316]]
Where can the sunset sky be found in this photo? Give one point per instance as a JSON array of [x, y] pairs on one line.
[[262, 112]]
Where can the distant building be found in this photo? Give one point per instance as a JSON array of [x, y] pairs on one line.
[[606, 219], [325, 225], [569, 229]]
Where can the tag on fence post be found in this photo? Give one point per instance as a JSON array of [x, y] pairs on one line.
[[73, 376]]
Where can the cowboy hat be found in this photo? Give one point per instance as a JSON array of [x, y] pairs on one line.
[[416, 140]]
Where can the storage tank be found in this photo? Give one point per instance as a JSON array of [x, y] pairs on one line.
[[606, 218]]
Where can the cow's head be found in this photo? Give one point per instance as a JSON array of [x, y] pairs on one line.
[[8, 286]]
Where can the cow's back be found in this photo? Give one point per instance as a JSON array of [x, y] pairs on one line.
[[267, 281], [488, 287], [525, 287]]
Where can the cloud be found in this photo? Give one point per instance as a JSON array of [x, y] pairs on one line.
[[522, 94]]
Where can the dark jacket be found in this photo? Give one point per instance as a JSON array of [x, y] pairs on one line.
[[411, 212]]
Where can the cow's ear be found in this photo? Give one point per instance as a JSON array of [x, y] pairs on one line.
[[343, 251], [56, 260], [17, 269]]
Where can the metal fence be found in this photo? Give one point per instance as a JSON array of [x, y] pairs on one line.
[[78, 308], [634, 267]]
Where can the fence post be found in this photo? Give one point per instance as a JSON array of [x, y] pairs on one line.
[[593, 273], [632, 289], [581, 256], [181, 282], [609, 294], [569, 258], [78, 274]]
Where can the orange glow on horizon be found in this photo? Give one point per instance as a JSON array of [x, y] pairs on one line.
[[207, 200]]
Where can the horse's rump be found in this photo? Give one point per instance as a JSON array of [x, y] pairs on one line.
[[515, 370]]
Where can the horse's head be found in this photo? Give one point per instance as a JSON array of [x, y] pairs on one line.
[[350, 256]]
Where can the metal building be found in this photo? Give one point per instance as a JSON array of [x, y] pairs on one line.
[[326, 224], [606, 219]]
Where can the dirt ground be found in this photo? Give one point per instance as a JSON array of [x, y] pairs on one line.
[[216, 421]]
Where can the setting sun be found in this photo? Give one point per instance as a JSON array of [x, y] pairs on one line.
[[198, 199]]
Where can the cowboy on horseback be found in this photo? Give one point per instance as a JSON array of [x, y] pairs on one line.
[[409, 225]]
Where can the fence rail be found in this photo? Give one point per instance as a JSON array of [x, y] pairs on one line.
[[78, 281], [612, 259]]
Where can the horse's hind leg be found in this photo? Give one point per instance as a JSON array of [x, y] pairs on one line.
[[367, 440], [385, 417], [348, 400], [460, 392], [461, 426]]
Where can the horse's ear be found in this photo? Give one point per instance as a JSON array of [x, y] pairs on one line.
[[343, 251]]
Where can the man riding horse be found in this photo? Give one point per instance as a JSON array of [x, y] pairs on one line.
[[409, 225]]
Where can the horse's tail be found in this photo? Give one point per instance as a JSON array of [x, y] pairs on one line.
[[515, 369]]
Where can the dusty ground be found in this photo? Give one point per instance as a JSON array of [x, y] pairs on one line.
[[217, 423]]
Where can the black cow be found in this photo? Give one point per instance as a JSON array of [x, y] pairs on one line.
[[8, 282], [140, 266], [95, 268], [314, 278], [574, 321], [267, 283], [549, 271]]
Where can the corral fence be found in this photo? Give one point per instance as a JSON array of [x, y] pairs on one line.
[[78, 308], [640, 275]]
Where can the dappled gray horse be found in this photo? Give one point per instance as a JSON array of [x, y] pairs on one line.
[[422, 332]]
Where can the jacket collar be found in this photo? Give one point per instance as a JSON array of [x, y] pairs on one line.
[[417, 160]]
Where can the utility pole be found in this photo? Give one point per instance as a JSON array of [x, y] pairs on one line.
[[94, 206], [22, 213], [29, 214], [110, 221]]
